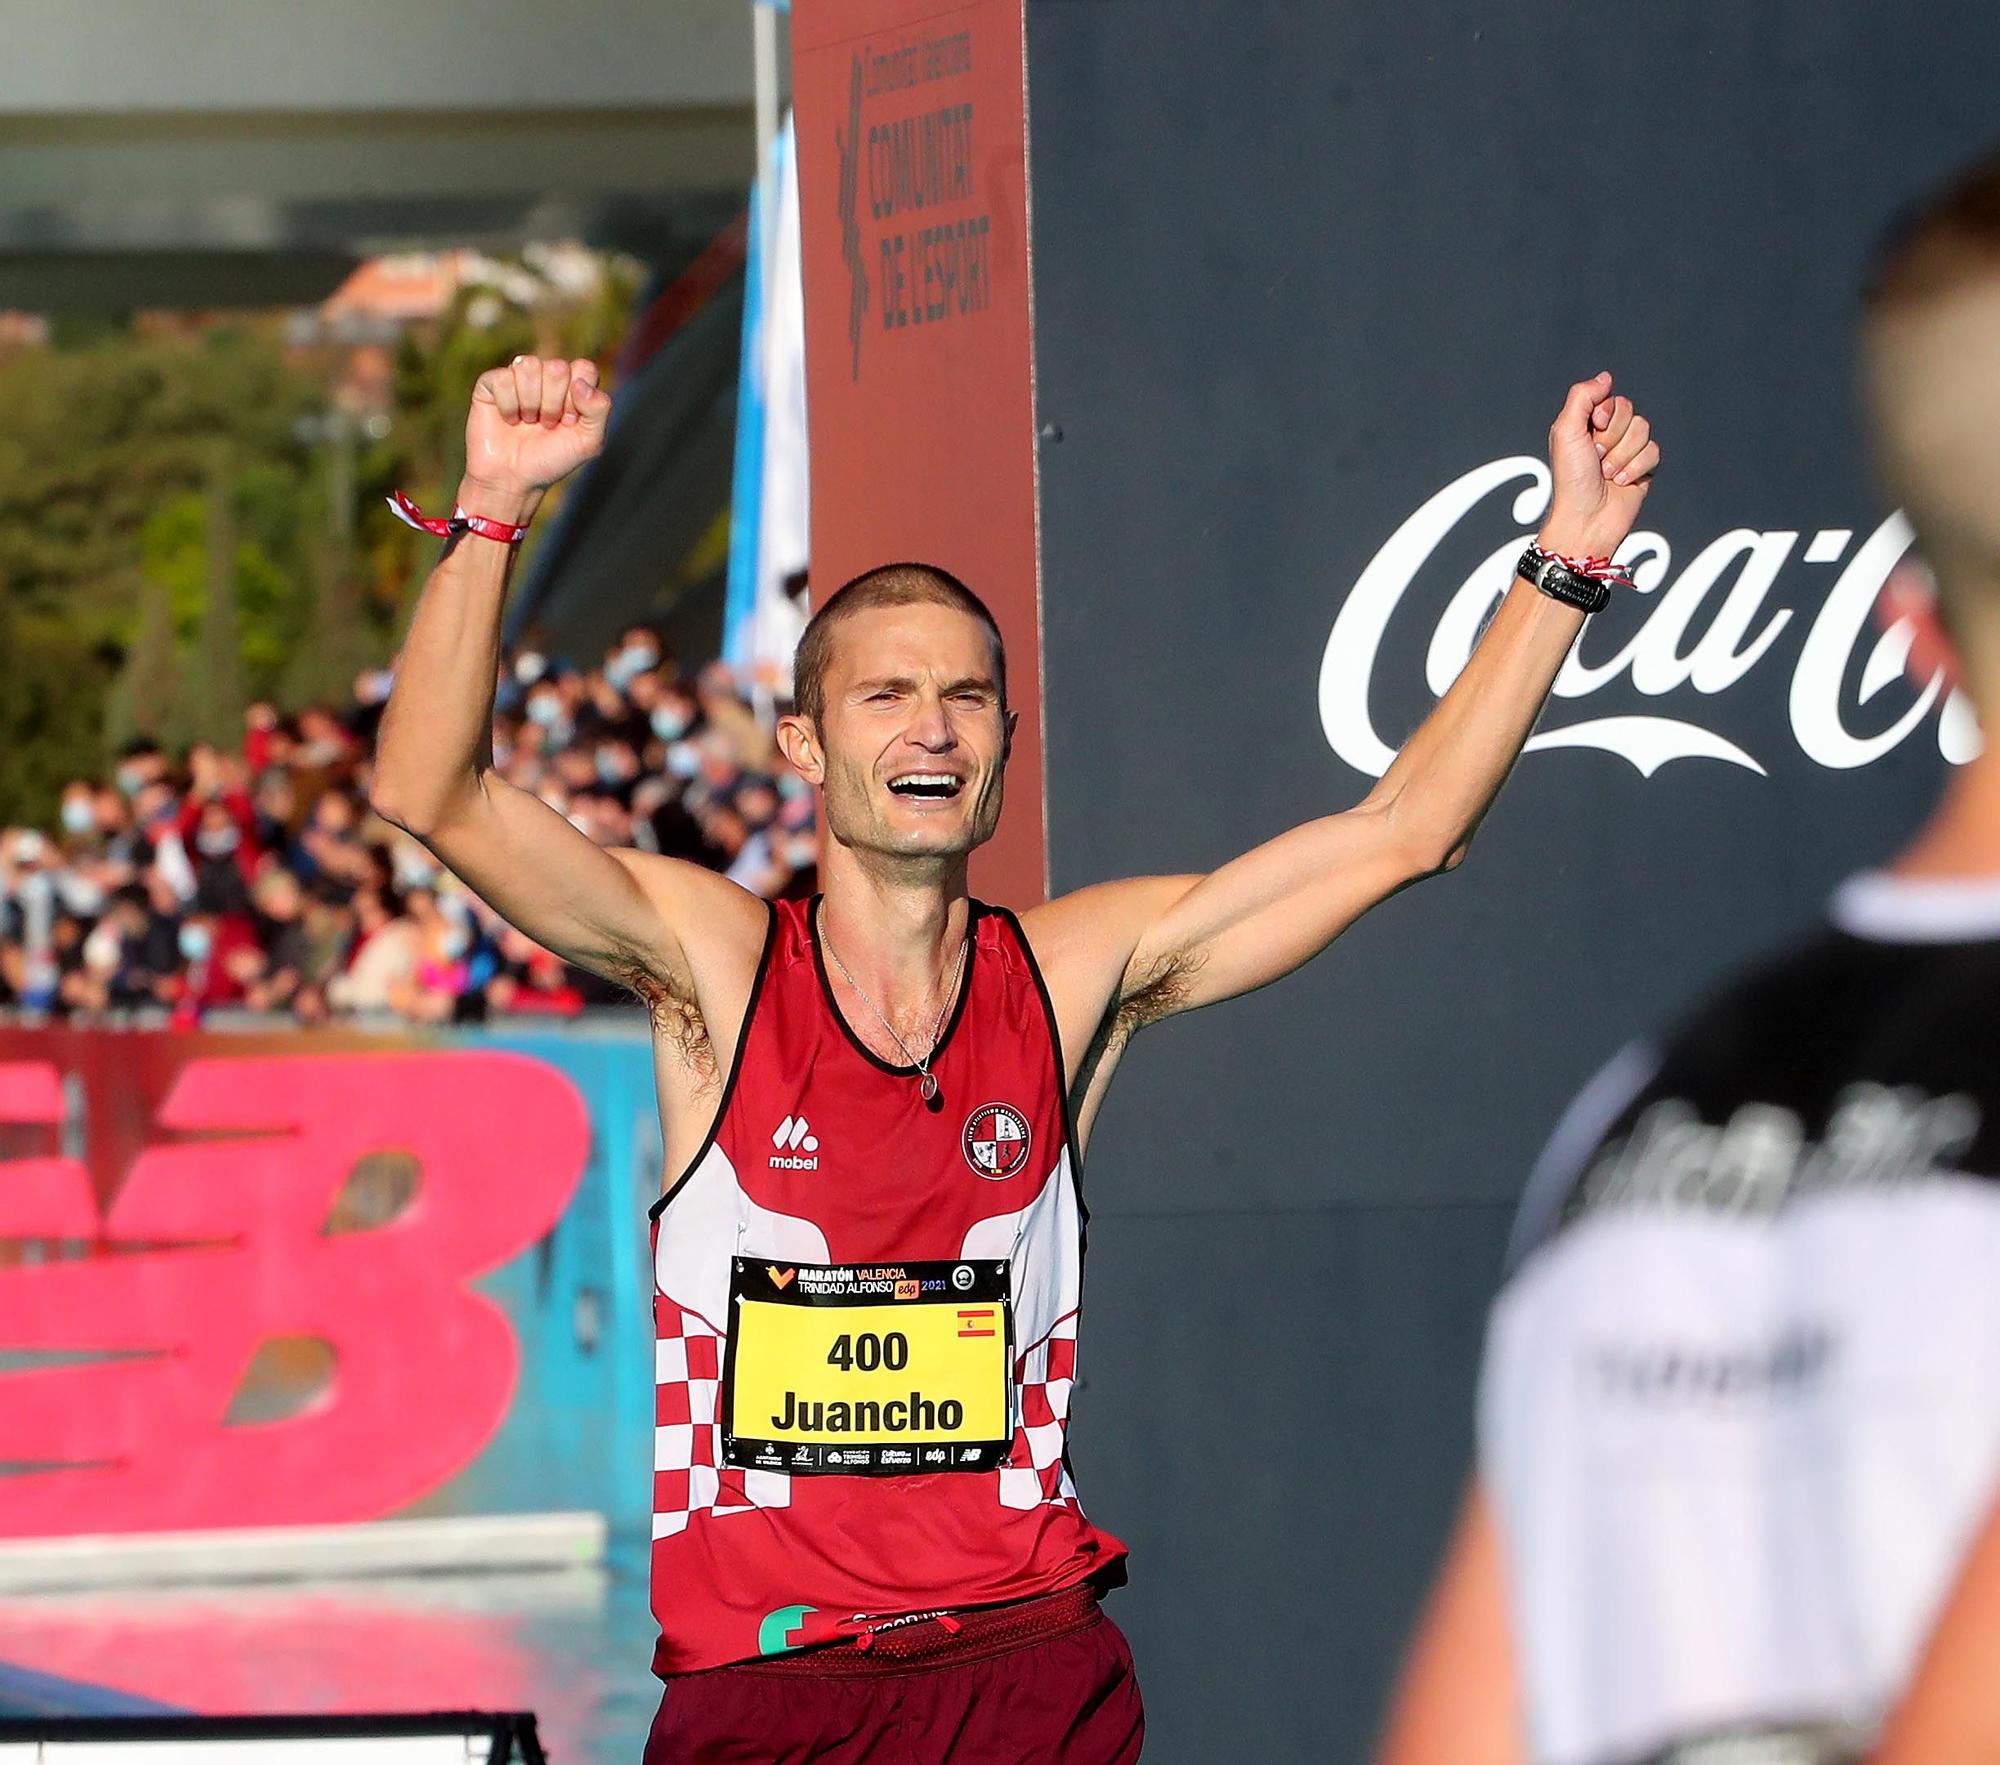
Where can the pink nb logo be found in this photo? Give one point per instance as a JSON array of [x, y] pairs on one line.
[[217, 1244]]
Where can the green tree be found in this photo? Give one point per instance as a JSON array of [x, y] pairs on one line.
[[105, 463], [145, 589], [219, 710], [50, 690], [147, 699]]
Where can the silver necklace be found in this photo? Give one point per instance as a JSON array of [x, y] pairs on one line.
[[927, 1085]]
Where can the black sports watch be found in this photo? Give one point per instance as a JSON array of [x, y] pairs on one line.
[[1559, 582]]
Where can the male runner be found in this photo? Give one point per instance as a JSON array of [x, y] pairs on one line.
[[1741, 1401], [866, 1543]]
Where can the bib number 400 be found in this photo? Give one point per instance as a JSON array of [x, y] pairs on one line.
[[868, 1352]]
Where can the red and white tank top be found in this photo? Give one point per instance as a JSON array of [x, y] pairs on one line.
[[955, 1231]]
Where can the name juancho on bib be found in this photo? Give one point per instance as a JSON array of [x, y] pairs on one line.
[[882, 1368], [867, 1311]]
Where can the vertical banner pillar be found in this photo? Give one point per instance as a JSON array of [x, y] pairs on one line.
[[912, 132]]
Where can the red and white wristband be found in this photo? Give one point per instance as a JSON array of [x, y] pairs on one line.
[[460, 522], [1582, 583], [1594, 569]]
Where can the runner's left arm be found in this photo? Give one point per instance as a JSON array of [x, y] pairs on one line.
[[1262, 915]]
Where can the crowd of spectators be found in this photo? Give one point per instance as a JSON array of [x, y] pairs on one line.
[[259, 881]]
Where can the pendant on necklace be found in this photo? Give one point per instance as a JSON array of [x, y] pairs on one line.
[[927, 1087]]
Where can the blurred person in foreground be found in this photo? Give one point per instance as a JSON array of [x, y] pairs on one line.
[[1934, 357], [867, 1546], [1740, 1408]]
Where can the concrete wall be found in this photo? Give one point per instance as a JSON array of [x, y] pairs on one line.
[[130, 56], [216, 152]]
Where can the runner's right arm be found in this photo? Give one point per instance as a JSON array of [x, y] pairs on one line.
[[618, 913], [1457, 1700]]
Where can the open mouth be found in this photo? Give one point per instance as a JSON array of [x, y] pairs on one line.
[[927, 787]]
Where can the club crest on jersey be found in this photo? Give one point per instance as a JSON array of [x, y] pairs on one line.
[[997, 1140]]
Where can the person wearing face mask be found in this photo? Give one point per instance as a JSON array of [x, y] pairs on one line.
[[220, 959], [617, 769], [545, 707], [140, 763], [517, 673], [28, 873], [672, 717], [637, 652], [218, 827], [217, 852], [79, 810]]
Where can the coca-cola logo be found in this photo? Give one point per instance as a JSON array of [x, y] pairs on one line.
[[1706, 629]]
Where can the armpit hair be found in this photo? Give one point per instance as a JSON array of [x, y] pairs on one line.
[[676, 1019], [1161, 991]]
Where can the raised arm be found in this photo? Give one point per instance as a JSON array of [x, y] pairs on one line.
[[1261, 915], [618, 913]]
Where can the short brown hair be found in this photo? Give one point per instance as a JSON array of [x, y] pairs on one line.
[[887, 585], [1941, 243], [1932, 365]]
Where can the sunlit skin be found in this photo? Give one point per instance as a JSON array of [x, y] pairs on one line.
[[911, 690], [910, 693]]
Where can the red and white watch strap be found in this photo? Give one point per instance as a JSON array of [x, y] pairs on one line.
[[460, 522]]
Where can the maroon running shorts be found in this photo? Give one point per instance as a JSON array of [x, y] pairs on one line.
[[1045, 1682]]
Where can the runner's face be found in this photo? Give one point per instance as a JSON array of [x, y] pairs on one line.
[[913, 733]]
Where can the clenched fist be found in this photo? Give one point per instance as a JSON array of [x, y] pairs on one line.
[[1602, 457], [533, 422]]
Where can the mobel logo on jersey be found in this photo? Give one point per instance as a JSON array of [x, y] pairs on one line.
[[1704, 632], [797, 1146]]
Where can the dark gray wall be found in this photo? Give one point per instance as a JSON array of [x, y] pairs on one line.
[[1297, 268]]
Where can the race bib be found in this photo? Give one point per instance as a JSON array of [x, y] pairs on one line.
[[870, 1368]]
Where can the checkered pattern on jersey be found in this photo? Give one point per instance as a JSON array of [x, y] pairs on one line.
[[689, 1476], [1046, 1373]]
